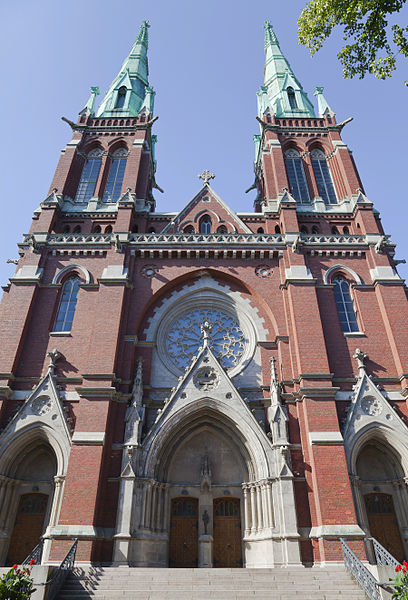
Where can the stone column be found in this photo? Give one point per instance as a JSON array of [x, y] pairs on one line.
[[247, 510], [166, 508], [54, 514], [124, 516], [254, 522], [259, 506]]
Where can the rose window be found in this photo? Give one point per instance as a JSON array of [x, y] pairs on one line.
[[226, 338]]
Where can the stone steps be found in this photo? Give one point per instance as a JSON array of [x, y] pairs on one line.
[[120, 583]]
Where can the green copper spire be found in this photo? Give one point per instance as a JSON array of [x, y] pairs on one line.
[[282, 94], [130, 93]]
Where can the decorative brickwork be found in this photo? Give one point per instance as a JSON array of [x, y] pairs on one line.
[[206, 357]]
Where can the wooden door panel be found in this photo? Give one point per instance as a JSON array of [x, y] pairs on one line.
[[227, 533], [183, 545], [383, 523], [28, 526]]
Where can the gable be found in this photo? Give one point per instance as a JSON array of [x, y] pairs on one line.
[[370, 409], [207, 202]]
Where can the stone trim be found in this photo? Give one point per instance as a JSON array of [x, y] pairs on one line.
[[29, 273], [89, 438], [335, 531], [325, 438]]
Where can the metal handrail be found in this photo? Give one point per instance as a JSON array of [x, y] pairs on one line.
[[382, 556], [57, 580], [35, 555], [360, 572]]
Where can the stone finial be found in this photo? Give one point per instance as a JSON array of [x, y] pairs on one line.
[[360, 356], [54, 355], [206, 176], [206, 329]]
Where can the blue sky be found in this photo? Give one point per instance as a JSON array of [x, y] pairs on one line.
[[206, 64]]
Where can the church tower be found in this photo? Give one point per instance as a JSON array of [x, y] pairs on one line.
[[204, 387]]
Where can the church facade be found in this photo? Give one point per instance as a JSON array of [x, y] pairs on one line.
[[204, 387]]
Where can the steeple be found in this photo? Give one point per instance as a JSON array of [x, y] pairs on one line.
[[130, 92], [282, 94]]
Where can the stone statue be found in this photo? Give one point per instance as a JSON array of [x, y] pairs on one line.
[[135, 412]]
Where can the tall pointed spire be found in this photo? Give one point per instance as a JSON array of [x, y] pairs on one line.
[[130, 92], [282, 93]]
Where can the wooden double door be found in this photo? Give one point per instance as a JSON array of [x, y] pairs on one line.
[[28, 527], [383, 523], [183, 545]]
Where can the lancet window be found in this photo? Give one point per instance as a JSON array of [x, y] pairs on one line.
[[89, 176], [345, 307], [323, 178], [205, 224], [121, 97], [116, 173], [291, 98], [296, 176], [66, 309]]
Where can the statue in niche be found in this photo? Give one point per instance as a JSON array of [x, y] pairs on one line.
[[136, 411], [205, 473], [276, 412]]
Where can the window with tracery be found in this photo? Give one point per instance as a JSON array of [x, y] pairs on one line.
[[116, 173], [66, 309], [226, 338], [89, 176], [322, 176], [205, 224], [345, 306], [296, 176]]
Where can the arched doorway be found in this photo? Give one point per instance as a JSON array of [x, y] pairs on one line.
[[206, 465], [382, 496], [227, 533], [29, 490]]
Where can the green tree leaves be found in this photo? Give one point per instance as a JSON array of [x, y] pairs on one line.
[[373, 45]]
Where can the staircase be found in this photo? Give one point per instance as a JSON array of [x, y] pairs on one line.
[[124, 583]]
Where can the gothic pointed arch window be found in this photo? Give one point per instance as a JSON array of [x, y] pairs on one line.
[[116, 173], [89, 176], [345, 306], [121, 97], [67, 305], [292, 98], [322, 176], [205, 224], [296, 176]]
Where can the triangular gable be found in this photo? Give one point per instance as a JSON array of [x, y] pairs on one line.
[[290, 81], [215, 205], [42, 407], [123, 81], [369, 408], [204, 377]]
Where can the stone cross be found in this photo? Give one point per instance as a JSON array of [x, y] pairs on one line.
[[206, 176]]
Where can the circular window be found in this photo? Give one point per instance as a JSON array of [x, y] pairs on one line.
[[226, 339]]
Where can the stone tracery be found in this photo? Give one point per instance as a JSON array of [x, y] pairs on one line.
[[226, 338]]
